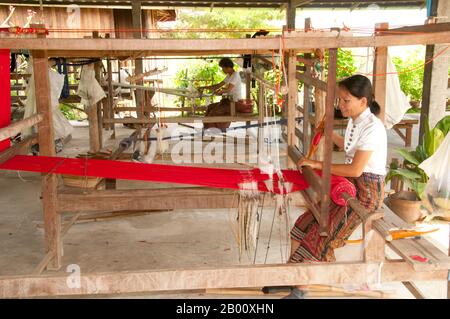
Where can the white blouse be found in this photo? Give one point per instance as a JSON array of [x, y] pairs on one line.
[[367, 133], [235, 79]]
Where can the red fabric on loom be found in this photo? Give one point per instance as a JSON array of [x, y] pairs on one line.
[[209, 177], [338, 185], [5, 94]]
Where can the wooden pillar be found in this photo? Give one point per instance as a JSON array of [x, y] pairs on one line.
[[261, 109], [379, 71], [435, 78], [306, 98], [99, 106], [109, 105], [319, 112], [52, 221], [290, 15], [136, 13], [292, 103], [374, 246], [329, 119], [93, 119]]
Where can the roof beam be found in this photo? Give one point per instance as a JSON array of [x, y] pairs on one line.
[[173, 47]]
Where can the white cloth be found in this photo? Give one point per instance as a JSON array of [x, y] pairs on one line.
[[235, 80], [89, 89], [367, 133], [437, 166], [62, 127], [396, 101]]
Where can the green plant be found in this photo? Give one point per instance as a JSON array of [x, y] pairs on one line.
[[197, 73], [71, 112], [222, 21], [411, 74], [345, 63], [411, 173]]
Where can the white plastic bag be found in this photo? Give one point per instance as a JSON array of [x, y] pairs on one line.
[[89, 89], [62, 127], [436, 197]]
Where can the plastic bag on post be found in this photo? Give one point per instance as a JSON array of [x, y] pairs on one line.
[[436, 197]]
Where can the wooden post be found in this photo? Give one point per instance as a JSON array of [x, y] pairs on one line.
[[109, 110], [52, 221], [374, 243], [138, 67], [329, 119], [319, 111], [290, 15], [306, 98], [261, 108], [99, 106], [292, 102], [379, 71]]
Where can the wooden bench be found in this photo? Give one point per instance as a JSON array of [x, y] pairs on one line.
[[405, 124], [433, 257]]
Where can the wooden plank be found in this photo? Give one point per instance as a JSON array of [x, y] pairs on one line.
[[292, 103], [426, 28], [159, 109], [207, 277], [266, 83], [328, 145], [309, 80], [20, 148], [94, 139], [408, 247], [16, 127], [123, 47], [379, 71], [52, 221], [426, 91], [48, 257], [299, 134], [306, 95], [374, 243], [110, 109], [98, 66], [320, 105], [153, 199], [136, 17], [413, 289], [209, 119]]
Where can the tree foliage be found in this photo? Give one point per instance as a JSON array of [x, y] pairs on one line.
[[225, 19], [411, 74]]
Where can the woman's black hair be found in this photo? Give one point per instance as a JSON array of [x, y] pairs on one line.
[[226, 63], [359, 86]]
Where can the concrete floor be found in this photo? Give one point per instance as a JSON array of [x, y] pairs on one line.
[[176, 239]]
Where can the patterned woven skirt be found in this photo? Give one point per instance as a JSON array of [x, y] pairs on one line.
[[342, 222]]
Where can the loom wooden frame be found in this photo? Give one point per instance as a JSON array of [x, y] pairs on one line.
[[223, 277]]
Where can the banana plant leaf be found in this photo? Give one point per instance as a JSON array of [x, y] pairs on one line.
[[444, 125], [410, 156]]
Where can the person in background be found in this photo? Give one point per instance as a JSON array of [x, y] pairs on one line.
[[230, 89]]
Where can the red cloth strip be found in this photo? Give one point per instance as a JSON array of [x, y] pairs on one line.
[[201, 176], [5, 94]]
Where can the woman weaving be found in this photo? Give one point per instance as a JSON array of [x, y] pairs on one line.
[[365, 146]]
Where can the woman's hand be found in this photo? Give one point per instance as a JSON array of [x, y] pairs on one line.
[[311, 163]]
